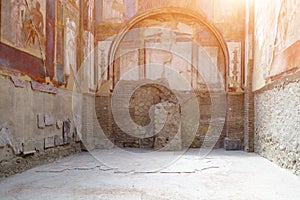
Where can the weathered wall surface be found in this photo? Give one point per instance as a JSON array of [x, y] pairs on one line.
[[228, 16], [35, 127], [141, 102], [193, 133], [167, 129], [276, 82], [277, 38], [235, 122], [277, 124]]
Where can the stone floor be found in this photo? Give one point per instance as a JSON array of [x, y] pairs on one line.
[[141, 175]]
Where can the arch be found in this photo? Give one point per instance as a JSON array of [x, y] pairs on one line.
[[161, 11]]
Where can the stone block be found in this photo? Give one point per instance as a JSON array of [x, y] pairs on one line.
[[77, 136], [41, 121], [18, 148], [67, 132], [4, 138], [232, 144], [27, 152], [78, 123], [18, 82], [58, 140], [59, 124], [29, 147], [43, 88], [49, 120], [49, 142]]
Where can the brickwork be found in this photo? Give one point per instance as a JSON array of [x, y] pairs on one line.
[[249, 121], [235, 122], [145, 98]]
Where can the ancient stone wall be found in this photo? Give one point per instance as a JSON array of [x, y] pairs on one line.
[[167, 127], [277, 124], [140, 103], [36, 125], [145, 98]]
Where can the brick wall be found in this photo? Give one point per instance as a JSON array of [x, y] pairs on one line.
[[235, 122], [147, 96]]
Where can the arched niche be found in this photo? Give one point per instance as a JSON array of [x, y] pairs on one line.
[[162, 15]]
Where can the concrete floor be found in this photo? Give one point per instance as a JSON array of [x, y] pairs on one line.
[[221, 175]]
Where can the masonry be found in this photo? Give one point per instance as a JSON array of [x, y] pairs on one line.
[[153, 75], [277, 131]]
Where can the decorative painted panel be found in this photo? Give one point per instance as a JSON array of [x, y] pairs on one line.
[[67, 33], [27, 33], [226, 11], [113, 11], [277, 38], [235, 66], [23, 25]]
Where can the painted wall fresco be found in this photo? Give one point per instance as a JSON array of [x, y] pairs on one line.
[[169, 47], [204, 6], [75, 46], [90, 68], [277, 33], [60, 33], [103, 51], [88, 14], [235, 66], [67, 34], [23, 25], [227, 15], [27, 34], [118, 11], [115, 11], [226, 10]]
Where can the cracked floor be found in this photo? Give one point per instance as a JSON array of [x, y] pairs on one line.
[[115, 175]]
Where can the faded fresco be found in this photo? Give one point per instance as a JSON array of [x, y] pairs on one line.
[[168, 42], [74, 36], [277, 33], [67, 33], [225, 11], [235, 65], [288, 24], [23, 27], [70, 65], [88, 46], [115, 11]]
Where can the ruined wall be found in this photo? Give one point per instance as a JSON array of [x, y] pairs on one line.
[[167, 127], [36, 125], [42, 47], [206, 122], [276, 82], [227, 16], [235, 122], [277, 124], [141, 102], [142, 105]]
